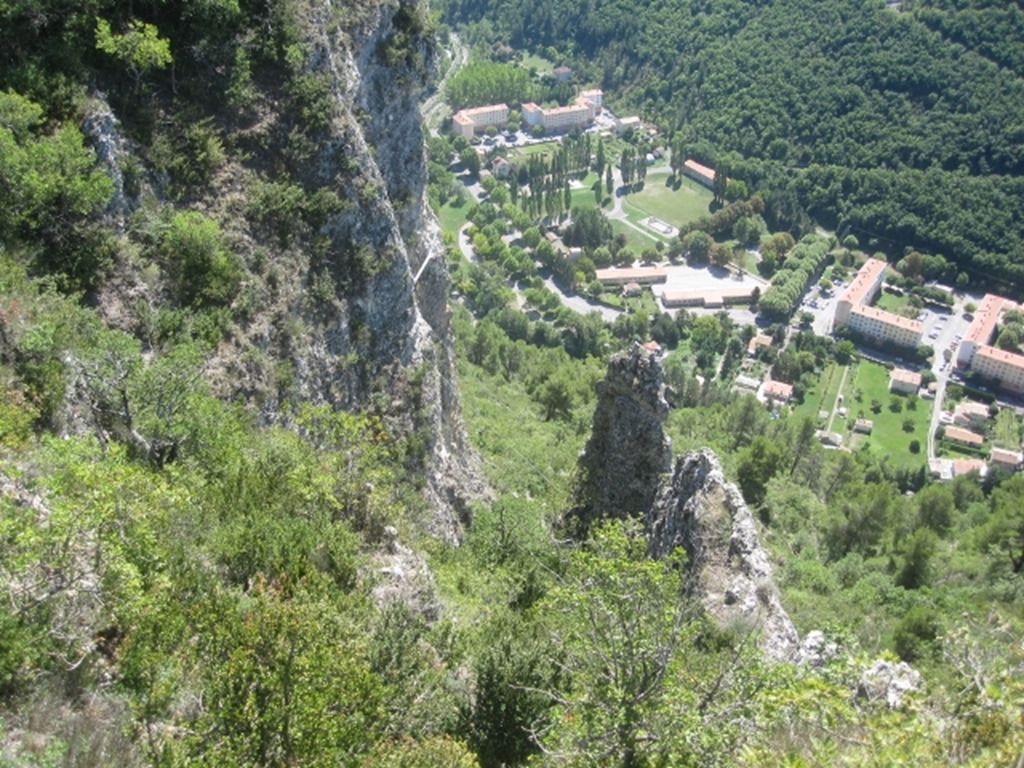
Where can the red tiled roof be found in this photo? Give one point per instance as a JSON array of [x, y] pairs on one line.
[[857, 291]]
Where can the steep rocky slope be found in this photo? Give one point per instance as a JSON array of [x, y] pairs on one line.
[[625, 471], [349, 309]]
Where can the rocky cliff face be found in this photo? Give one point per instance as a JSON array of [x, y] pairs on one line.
[[696, 509], [628, 451], [624, 471], [350, 311], [398, 322]]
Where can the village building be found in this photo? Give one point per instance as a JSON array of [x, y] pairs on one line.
[[1007, 459], [964, 437], [702, 174], [747, 382], [468, 122], [623, 275], [864, 426], [563, 74], [902, 380], [966, 466], [947, 469], [776, 391], [711, 298], [626, 124], [757, 343], [833, 439], [501, 168], [968, 413]]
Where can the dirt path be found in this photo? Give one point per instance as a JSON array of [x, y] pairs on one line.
[[835, 404]]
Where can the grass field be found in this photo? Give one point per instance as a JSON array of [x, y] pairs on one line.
[[538, 63], [675, 206], [890, 302], [888, 437], [638, 241], [544, 147], [451, 217], [822, 396]]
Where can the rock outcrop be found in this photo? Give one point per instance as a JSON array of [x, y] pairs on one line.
[[627, 452], [624, 471], [696, 509]]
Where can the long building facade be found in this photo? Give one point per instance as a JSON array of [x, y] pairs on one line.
[[976, 352], [854, 310], [579, 114], [469, 122]]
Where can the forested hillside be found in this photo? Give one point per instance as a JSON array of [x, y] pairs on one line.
[[902, 127], [242, 522]]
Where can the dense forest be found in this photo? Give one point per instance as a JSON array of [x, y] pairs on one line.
[[901, 126], [203, 562]]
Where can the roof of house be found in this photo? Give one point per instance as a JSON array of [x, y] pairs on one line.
[[889, 318], [866, 423], [966, 466], [701, 170], [903, 376], [964, 436], [985, 319], [779, 390], [631, 273], [592, 92], [857, 291], [971, 408], [760, 340], [1007, 457]]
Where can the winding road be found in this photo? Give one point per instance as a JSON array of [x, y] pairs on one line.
[[433, 109]]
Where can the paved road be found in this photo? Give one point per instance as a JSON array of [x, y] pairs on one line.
[[433, 109]]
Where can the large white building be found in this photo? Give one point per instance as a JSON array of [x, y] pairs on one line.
[[854, 310], [976, 353], [576, 115], [468, 122]]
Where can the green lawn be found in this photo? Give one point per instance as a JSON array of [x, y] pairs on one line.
[[638, 241], [888, 438], [537, 63], [532, 149], [822, 397], [890, 302], [452, 218], [674, 206]]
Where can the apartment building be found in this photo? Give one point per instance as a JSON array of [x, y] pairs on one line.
[[883, 326], [854, 310], [468, 122], [1004, 367], [981, 329], [576, 115], [861, 290]]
